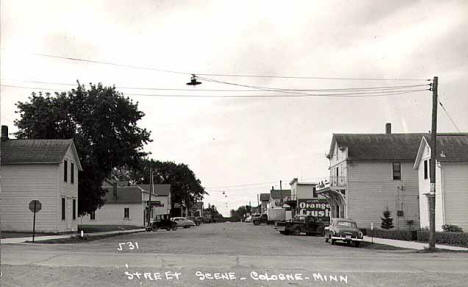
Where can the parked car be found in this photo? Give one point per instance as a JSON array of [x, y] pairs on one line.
[[343, 230], [163, 222], [183, 222]]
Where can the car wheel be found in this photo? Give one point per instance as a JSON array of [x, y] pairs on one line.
[[297, 231], [357, 243], [256, 222], [333, 242]]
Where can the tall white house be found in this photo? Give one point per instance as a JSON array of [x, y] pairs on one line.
[[44, 170], [372, 172], [451, 180]]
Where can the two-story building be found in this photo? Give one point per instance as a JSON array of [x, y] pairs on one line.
[[451, 180], [370, 173], [44, 170], [307, 201]]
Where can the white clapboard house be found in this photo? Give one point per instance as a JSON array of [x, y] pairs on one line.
[[451, 180], [126, 204], [44, 170]]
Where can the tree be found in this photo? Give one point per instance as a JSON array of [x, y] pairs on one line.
[[240, 213], [102, 123], [387, 220], [185, 186]]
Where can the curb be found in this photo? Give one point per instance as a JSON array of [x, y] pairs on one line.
[[52, 237]]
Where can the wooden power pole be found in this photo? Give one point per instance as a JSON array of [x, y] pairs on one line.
[[431, 196]]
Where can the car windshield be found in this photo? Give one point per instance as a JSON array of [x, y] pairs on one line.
[[346, 224]]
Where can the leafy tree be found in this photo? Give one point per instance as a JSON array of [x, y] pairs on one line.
[[240, 213], [185, 186], [387, 220], [102, 123]]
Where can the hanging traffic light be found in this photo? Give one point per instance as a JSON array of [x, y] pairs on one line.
[[193, 81]]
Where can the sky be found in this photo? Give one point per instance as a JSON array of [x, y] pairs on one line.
[[244, 146]]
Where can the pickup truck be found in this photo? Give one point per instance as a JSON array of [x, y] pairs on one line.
[[302, 224]]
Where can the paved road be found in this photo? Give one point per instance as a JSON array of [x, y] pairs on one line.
[[225, 254]]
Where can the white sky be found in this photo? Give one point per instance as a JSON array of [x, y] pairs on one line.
[[234, 142]]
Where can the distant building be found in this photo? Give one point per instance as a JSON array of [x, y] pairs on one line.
[[451, 180], [264, 200], [197, 209], [372, 172], [307, 201], [44, 170], [127, 204], [279, 197]]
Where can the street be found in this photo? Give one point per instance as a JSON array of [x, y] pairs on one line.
[[225, 254]]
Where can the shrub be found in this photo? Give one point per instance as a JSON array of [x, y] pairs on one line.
[[390, 234], [387, 220], [451, 228], [450, 238]]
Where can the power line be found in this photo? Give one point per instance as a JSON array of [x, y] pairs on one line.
[[224, 75], [448, 115], [238, 90], [269, 89], [289, 94]]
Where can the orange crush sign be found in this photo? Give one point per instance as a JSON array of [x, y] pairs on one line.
[[317, 207]]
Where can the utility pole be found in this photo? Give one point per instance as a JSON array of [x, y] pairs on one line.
[[432, 166], [150, 207], [281, 193]]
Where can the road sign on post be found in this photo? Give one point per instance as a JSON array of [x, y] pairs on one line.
[[35, 206]]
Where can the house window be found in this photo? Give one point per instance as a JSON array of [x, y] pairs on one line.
[[72, 172], [396, 171], [65, 166], [63, 208], [74, 209], [425, 169], [92, 215], [126, 213]]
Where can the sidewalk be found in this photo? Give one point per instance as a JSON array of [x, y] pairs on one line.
[[411, 244], [49, 237]]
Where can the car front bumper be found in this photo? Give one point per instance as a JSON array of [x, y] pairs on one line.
[[346, 238]]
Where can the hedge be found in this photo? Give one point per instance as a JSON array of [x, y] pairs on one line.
[[450, 238]]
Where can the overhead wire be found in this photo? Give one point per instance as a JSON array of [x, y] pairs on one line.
[[234, 90], [448, 115], [288, 94]]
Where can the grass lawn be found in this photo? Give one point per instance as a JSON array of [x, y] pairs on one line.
[[103, 228]]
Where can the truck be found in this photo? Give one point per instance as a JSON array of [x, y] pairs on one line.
[[276, 214], [302, 224]]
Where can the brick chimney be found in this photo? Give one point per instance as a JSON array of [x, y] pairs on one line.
[[4, 133], [388, 128]]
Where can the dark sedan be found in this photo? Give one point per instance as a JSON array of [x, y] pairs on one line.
[[343, 230]]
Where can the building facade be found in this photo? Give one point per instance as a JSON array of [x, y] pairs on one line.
[[44, 170], [370, 173], [451, 180], [127, 205]]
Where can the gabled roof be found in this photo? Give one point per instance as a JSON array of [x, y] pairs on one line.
[[36, 151], [159, 189], [125, 194], [450, 147], [402, 147], [279, 194], [264, 197]]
